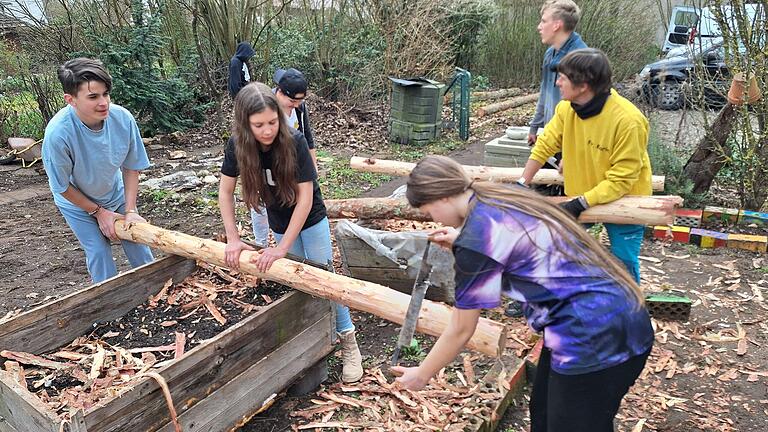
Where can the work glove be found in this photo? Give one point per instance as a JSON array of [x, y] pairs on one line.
[[574, 207]]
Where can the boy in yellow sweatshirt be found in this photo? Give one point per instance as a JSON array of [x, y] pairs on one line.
[[604, 139]]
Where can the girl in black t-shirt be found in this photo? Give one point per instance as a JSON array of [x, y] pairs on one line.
[[277, 172]]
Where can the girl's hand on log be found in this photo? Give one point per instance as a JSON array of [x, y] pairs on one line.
[[106, 220], [266, 257], [232, 253], [410, 377], [444, 237]]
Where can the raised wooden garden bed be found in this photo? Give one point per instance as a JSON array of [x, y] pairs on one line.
[[215, 386]]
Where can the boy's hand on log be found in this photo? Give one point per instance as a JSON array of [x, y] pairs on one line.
[[133, 217], [106, 220], [409, 377], [444, 237], [232, 253], [265, 257]]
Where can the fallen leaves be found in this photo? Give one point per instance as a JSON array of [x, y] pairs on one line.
[[378, 404]]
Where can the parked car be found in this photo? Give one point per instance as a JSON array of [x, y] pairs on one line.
[[690, 73]]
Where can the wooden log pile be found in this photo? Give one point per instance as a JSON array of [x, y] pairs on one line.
[[108, 361]]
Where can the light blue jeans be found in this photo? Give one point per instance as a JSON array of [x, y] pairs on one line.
[[260, 225], [314, 243], [625, 245], [98, 250]]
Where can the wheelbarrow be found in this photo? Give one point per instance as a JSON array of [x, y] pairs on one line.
[[27, 150]]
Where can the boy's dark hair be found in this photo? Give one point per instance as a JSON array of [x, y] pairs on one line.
[[587, 66], [80, 70]]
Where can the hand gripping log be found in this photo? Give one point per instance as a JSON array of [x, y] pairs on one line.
[[489, 337]]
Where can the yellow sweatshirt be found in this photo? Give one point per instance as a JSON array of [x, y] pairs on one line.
[[605, 156]]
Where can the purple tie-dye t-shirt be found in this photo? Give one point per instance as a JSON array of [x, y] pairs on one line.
[[589, 321]]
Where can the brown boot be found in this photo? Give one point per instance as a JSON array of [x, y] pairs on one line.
[[351, 359]]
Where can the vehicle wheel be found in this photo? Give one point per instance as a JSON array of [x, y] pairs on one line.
[[8, 159], [668, 95]]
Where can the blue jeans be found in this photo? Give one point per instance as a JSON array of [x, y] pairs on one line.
[[260, 225], [314, 243], [98, 250], [625, 245]]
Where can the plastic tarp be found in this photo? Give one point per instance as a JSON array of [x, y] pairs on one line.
[[405, 249]]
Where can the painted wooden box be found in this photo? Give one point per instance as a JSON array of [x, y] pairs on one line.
[[216, 386]]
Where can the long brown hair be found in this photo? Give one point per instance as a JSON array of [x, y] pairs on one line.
[[252, 99], [437, 177]]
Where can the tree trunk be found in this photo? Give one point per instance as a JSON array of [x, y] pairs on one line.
[[507, 104], [632, 210], [711, 152], [504, 175], [489, 337]]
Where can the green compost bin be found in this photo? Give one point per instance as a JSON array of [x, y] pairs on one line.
[[416, 110]]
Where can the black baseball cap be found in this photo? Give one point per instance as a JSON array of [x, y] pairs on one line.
[[291, 82]]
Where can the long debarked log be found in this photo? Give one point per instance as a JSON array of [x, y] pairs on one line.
[[633, 210], [500, 174], [507, 104], [489, 337]]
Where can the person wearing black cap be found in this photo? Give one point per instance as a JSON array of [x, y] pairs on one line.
[[239, 74], [290, 92]]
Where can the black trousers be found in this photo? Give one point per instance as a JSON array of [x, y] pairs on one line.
[[580, 403]]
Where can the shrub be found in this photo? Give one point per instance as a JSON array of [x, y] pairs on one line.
[[512, 50], [664, 161], [160, 105]]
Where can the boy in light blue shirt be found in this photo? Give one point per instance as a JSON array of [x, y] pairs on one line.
[[93, 152]]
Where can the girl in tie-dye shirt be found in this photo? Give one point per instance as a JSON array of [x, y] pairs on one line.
[[597, 332]]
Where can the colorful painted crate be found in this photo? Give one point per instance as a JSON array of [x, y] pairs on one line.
[[720, 214], [688, 217], [748, 242], [747, 217], [681, 234], [708, 239]]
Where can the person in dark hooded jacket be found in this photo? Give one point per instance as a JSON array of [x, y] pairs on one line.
[[239, 75]]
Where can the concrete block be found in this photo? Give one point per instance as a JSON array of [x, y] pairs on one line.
[[708, 239], [662, 232], [720, 214], [748, 242], [681, 234], [747, 217], [688, 217]]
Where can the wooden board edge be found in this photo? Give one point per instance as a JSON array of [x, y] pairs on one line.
[[245, 393], [47, 312], [176, 369], [516, 382], [37, 416]]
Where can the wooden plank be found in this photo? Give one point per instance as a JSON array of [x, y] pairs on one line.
[[210, 365], [358, 253], [69, 317], [232, 405], [516, 378], [22, 410]]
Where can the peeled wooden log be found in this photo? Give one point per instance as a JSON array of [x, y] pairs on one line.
[[490, 95], [496, 94], [500, 174], [507, 104], [632, 210], [489, 337]]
